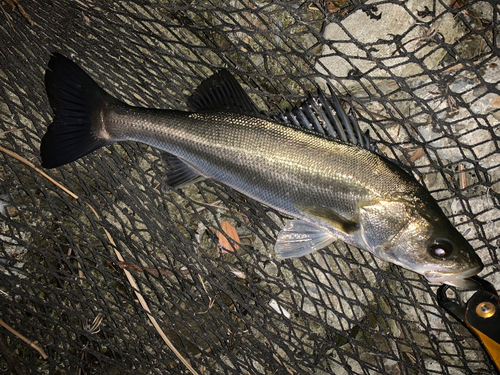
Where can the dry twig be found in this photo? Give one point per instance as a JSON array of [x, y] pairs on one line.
[[204, 204], [212, 301], [462, 177], [31, 165], [144, 304], [8, 18], [281, 363], [14, 4], [153, 271], [25, 339], [13, 130]]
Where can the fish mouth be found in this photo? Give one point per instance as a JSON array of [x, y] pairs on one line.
[[459, 280]]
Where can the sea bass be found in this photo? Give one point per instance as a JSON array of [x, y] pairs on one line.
[[333, 189]]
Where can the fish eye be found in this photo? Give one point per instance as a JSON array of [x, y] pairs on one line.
[[441, 249]]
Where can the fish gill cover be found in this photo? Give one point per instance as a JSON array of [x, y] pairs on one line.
[[100, 283]]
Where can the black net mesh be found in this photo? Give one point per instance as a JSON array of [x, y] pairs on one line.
[[424, 78]]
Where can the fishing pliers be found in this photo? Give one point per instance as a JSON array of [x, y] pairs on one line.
[[481, 315]]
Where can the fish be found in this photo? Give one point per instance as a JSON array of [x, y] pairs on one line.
[[332, 187]]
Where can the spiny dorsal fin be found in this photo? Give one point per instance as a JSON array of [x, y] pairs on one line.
[[326, 116], [222, 92]]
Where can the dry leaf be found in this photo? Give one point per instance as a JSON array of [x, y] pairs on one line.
[[456, 4], [332, 8], [495, 102], [230, 232], [419, 152]]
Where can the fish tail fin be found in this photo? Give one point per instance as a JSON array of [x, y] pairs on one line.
[[75, 99]]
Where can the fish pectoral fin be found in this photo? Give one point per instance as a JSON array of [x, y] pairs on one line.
[[222, 91], [330, 217], [180, 174], [300, 238]]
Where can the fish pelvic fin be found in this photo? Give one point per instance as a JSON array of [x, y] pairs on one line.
[[329, 217], [76, 100], [299, 238]]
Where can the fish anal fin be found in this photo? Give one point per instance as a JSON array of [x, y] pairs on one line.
[[330, 217], [180, 174], [300, 238]]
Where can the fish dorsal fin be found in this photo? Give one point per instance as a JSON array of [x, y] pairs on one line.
[[326, 116], [180, 174], [299, 238], [329, 217], [222, 92]]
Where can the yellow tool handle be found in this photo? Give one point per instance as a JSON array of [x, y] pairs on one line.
[[483, 319], [491, 346]]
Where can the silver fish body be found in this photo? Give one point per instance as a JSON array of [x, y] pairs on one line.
[[284, 167], [333, 189]]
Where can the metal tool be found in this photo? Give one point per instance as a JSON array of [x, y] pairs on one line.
[[481, 315]]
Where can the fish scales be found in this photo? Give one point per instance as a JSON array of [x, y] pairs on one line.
[[277, 164]]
